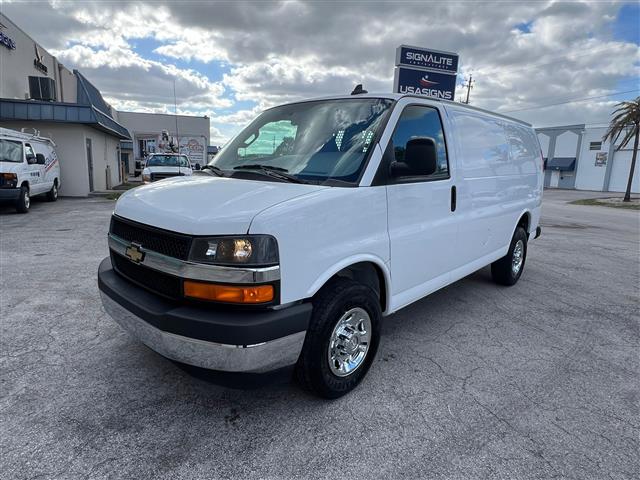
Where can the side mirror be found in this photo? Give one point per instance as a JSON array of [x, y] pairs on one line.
[[420, 159], [40, 160]]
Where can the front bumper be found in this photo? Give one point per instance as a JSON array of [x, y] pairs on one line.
[[7, 194], [253, 341]]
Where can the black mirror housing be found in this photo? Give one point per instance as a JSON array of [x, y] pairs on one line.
[[421, 156], [40, 160], [420, 159]]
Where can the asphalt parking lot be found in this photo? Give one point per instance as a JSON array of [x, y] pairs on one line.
[[539, 380]]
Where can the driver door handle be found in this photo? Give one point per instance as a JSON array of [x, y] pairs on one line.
[[453, 198]]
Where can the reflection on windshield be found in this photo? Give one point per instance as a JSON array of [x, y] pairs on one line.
[[314, 141], [167, 161], [10, 151]]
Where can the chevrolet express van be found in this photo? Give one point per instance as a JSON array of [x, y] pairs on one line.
[[320, 218], [28, 167]]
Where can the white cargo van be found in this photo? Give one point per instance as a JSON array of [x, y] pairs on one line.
[[28, 166], [319, 219], [166, 165]]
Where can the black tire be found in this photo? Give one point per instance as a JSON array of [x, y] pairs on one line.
[[502, 270], [52, 195], [329, 305], [24, 200]]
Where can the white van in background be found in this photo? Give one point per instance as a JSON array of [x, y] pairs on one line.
[[317, 220], [28, 166], [159, 166]]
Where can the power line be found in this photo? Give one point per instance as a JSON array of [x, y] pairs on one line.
[[571, 101]]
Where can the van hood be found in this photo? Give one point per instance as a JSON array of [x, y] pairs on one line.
[[203, 205], [11, 167]]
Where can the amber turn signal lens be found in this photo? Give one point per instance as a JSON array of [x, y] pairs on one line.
[[228, 293]]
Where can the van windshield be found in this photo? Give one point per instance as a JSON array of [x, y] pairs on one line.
[[313, 141], [10, 151], [167, 161]]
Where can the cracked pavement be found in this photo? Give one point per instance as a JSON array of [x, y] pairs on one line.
[[540, 380]]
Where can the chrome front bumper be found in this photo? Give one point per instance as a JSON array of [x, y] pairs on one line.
[[258, 358]]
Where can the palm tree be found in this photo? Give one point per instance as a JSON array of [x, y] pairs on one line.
[[626, 123]]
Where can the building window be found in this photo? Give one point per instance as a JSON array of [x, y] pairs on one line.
[[595, 145]]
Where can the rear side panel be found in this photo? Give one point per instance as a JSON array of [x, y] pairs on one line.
[[499, 179]]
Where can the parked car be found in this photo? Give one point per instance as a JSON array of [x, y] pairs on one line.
[[317, 220], [165, 165], [28, 167]]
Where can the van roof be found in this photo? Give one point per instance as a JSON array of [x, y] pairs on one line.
[[24, 136], [398, 96]]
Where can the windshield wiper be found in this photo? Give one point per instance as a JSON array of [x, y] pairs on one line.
[[276, 172], [216, 170]]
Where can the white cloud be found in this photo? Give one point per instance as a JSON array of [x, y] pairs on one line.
[[281, 51]]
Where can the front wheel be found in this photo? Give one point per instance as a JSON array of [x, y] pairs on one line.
[[24, 200], [342, 338], [508, 269]]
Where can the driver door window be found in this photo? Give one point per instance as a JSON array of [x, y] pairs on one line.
[[36, 171], [420, 121], [273, 140]]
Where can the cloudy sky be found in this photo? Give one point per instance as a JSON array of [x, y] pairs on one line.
[[548, 63]]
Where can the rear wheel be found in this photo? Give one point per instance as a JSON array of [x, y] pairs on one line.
[[342, 338], [52, 195], [508, 269], [24, 200]]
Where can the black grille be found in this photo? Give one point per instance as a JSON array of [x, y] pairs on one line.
[[167, 243], [160, 176], [153, 280]]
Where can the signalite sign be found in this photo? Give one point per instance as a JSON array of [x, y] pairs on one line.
[[423, 71], [431, 59]]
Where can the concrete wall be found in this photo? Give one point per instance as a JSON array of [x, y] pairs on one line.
[[620, 171], [68, 85], [17, 65], [105, 149], [70, 140], [590, 176]]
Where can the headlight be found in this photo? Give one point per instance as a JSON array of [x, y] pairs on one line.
[[10, 179], [252, 250]]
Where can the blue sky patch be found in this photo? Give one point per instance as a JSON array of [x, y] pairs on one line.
[[525, 27], [627, 24]]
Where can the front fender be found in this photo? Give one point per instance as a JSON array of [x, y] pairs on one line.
[[347, 262]]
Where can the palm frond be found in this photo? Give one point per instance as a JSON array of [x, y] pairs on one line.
[[625, 114]]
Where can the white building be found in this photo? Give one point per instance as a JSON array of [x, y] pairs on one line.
[[191, 133], [38, 92], [577, 157]]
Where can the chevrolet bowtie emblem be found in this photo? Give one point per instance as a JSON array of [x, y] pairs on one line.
[[134, 253]]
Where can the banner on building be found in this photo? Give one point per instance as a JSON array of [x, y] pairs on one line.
[[195, 148]]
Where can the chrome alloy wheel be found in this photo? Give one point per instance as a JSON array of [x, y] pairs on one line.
[[349, 342], [27, 200], [54, 191], [518, 257]]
